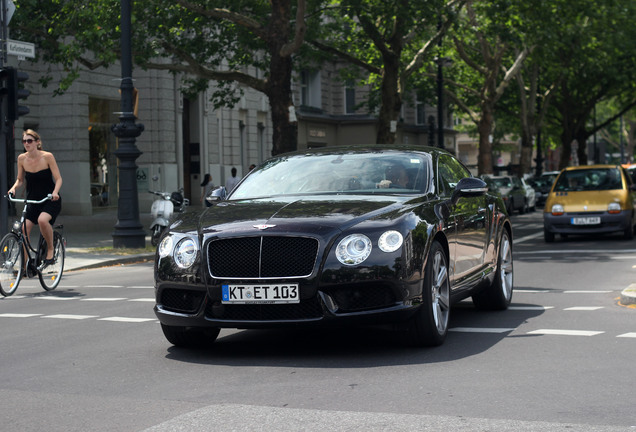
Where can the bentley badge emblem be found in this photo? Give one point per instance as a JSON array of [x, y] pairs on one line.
[[263, 226]]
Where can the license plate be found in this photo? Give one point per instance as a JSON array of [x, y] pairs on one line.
[[263, 294], [586, 220]]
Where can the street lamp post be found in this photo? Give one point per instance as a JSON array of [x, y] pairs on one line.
[[128, 231]]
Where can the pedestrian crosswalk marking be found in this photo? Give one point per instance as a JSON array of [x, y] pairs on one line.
[[68, 316], [583, 308], [103, 299]]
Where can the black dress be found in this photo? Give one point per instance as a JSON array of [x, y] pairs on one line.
[[38, 185]]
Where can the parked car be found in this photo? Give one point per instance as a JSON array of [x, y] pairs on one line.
[[531, 196], [541, 188], [337, 236], [590, 199], [511, 191]]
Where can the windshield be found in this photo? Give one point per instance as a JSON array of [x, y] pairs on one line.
[[337, 173], [589, 180]]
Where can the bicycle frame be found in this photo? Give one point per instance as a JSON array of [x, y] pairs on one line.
[[19, 229]]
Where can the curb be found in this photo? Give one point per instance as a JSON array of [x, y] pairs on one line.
[[628, 295], [116, 261]]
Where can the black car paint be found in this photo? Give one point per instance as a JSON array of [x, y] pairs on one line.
[[329, 219]]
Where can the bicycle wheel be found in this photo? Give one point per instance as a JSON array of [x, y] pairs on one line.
[[50, 275], [11, 262]]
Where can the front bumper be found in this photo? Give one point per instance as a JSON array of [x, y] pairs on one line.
[[379, 302], [609, 223]]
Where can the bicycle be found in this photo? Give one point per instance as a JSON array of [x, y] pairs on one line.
[[15, 248]]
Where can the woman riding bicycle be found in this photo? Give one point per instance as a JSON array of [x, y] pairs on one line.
[[42, 178]]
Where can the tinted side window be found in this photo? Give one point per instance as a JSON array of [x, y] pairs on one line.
[[450, 172]]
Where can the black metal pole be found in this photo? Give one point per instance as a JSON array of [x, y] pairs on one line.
[[128, 232], [440, 104]]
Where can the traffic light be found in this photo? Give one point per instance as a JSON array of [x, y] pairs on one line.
[[4, 83], [15, 93]]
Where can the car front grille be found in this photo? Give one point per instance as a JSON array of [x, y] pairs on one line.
[[262, 257]]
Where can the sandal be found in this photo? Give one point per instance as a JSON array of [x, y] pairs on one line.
[[48, 262]]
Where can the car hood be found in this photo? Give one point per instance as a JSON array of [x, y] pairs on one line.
[[319, 216], [589, 200]]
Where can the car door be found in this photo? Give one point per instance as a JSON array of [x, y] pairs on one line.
[[469, 218]]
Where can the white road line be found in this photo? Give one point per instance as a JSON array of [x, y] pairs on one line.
[[627, 335], [586, 292], [149, 300], [104, 299], [583, 308], [566, 332], [141, 287], [528, 237], [55, 298], [67, 316], [17, 315], [530, 308], [480, 330], [531, 291], [576, 251], [104, 286], [124, 319]]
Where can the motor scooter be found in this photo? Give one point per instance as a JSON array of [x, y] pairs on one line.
[[161, 210]]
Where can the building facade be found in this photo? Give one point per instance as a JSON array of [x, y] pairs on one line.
[[183, 139]]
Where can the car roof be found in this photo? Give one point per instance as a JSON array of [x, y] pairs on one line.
[[587, 167]]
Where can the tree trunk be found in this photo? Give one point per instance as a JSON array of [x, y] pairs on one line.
[[279, 93], [484, 161], [391, 101]]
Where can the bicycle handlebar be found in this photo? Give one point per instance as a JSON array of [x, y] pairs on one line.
[[12, 199]]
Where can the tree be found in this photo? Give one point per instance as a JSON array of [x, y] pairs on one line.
[[233, 43], [490, 55], [389, 42], [597, 62]]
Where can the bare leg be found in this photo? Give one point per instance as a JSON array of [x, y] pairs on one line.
[[47, 232]]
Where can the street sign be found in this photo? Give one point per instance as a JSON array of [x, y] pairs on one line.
[[21, 49]]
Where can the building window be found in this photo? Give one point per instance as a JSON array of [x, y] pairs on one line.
[[102, 144], [420, 113], [350, 97], [310, 94]]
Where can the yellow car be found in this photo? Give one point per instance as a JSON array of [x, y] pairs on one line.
[[590, 199]]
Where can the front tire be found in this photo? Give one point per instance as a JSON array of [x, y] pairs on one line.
[[498, 295], [429, 326], [548, 236], [190, 337], [51, 275], [11, 264]]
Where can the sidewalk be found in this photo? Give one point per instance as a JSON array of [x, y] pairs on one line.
[[84, 234]]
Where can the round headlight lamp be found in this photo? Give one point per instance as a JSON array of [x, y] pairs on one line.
[[165, 247], [614, 208], [185, 252], [557, 210], [353, 249], [390, 241]]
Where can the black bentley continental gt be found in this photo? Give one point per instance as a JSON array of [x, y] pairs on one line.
[[335, 236]]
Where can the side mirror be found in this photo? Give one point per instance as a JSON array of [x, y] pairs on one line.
[[469, 186], [216, 195]]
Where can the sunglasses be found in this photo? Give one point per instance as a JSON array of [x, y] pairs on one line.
[[28, 141]]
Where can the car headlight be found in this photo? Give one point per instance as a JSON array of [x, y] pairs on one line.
[[557, 210], [185, 253], [614, 208], [390, 241], [165, 247], [353, 249]]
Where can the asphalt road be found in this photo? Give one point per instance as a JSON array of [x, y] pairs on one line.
[[91, 356]]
